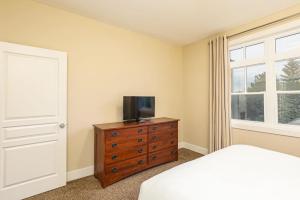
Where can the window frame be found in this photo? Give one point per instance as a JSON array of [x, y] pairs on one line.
[[268, 37]]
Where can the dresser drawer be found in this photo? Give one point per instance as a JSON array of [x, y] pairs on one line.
[[163, 156], [162, 144], [122, 169], [125, 134], [157, 136], [123, 149], [131, 152], [119, 144], [165, 127]]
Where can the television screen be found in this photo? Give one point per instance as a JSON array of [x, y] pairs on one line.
[[136, 107]]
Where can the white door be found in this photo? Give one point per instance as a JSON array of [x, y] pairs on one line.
[[33, 90]]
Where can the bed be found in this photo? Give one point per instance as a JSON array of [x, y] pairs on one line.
[[238, 172]]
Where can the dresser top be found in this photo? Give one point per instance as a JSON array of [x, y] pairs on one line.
[[120, 125]]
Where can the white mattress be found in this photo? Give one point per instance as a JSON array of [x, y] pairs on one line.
[[239, 172]]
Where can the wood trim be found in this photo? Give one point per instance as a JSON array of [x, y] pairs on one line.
[[124, 125]]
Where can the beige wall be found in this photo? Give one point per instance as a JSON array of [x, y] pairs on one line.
[[196, 97], [196, 93], [104, 63], [290, 145]]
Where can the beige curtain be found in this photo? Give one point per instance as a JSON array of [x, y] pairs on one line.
[[220, 131]]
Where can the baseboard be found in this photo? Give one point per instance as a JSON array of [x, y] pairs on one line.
[[181, 145], [80, 173], [193, 147]]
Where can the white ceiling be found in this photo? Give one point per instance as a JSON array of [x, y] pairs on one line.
[[179, 21]]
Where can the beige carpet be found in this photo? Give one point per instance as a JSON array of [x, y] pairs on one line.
[[127, 189]]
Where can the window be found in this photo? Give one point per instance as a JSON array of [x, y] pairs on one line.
[[287, 42], [255, 51], [236, 55], [288, 91], [265, 81], [248, 107]]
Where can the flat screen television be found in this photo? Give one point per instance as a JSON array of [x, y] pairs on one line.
[[138, 107]]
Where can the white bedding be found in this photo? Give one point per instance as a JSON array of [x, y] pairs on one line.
[[239, 172]]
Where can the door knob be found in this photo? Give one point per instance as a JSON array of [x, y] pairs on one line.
[[62, 125]]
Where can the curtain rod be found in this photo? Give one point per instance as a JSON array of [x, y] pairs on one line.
[[264, 25]]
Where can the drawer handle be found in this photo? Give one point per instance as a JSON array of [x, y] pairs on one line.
[[153, 157], [172, 133], [140, 130], [140, 140], [172, 142], [141, 162], [114, 145], [114, 133], [114, 170], [154, 147], [113, 157], [140, 150], [154, 128]]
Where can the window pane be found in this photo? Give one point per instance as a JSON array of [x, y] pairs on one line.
[[256, 78], [288, 75], [238, 80], [288, 43], [255, 51], [236, 55], [289, 109], [248, 107]]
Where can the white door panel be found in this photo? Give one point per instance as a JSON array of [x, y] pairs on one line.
[[27, 162], [24, 135], [29, 131], [33, 93], [24, 98]]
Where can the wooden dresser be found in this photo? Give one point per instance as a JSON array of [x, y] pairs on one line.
[[123, 149]]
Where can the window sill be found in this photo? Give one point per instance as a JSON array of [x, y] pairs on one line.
[[285, 130]]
